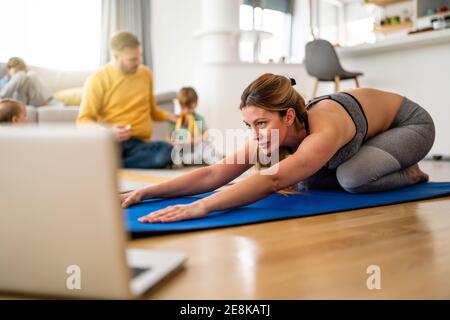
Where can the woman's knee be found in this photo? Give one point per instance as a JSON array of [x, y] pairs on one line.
[[351, 178], [361, 169], [356, 178]]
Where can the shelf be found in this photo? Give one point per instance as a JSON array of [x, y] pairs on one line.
[[385, 2], [424, 39], [394, 27]]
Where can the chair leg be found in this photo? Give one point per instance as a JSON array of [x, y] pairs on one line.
[[337, 83], [357, 82], [316, 86]]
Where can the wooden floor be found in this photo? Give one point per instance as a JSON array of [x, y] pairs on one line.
[[320, 257]]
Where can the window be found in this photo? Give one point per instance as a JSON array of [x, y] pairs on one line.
[[269, 29], [52, 34]]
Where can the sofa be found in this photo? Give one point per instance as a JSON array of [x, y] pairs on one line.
[[56, 82]]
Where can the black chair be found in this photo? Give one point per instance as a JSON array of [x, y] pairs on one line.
[[322, 62]]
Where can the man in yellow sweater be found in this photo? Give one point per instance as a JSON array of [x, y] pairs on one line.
[[120, 95]]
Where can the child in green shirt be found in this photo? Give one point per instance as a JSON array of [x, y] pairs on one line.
[[189, 133]]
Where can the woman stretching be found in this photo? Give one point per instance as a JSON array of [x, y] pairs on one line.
[[363, 140]]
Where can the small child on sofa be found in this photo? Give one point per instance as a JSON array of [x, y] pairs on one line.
[[189, 133], [12, 111], [21, 84]]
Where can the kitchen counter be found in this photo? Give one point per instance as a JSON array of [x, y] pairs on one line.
[[397, 43]]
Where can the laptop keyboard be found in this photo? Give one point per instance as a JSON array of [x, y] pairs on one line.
[[136, 272]]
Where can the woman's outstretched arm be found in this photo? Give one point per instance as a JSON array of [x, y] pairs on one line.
[[313, 153], [197, 181]]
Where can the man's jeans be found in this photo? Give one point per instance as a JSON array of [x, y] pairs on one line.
[[146, 155]]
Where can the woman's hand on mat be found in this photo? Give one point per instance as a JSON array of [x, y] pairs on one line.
[[176, 213], [130, 198]]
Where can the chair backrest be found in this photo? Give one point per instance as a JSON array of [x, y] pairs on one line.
[[321, 60]]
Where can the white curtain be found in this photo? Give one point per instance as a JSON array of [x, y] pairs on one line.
[[126, 15]]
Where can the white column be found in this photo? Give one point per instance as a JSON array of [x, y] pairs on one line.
[[220, 31], [219, 37]]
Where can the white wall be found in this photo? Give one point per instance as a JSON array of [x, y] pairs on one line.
[[176, 52]]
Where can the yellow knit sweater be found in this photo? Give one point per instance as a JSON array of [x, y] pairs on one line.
[[114, 98]]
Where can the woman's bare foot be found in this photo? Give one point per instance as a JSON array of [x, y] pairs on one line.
[[416, 174]]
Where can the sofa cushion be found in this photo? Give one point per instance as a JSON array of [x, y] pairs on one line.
[[56, 80], [50, 114], [69, 97]]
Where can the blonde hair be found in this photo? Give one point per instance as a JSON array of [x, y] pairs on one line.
[[17, 63], [122, 40], [10, 108], [187, 96], [275, 93]]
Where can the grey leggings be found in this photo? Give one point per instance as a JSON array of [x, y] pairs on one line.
[[380, 164]]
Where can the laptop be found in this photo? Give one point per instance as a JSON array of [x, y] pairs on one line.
[[62, 229]]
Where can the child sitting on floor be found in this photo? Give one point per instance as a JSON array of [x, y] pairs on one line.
[[12, 111], [189, 133]]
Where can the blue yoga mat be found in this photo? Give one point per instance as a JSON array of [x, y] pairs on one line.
[[277, 207]]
